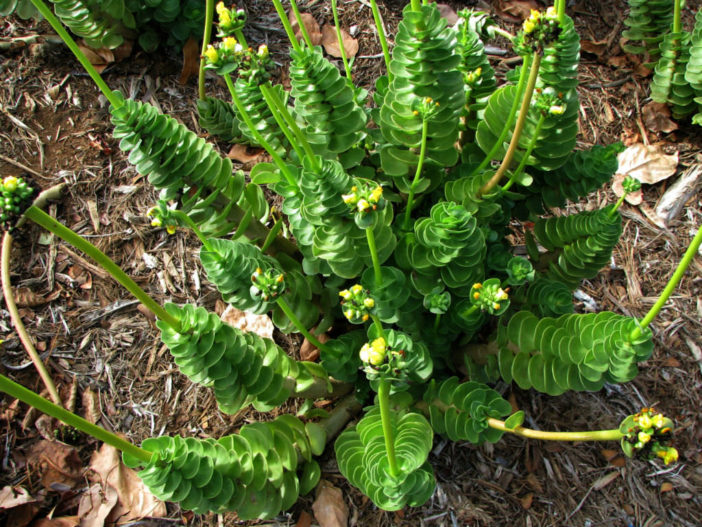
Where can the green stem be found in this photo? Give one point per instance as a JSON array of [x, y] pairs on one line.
[[521, 84], [677, 16], [388, 432], [527, 153], [381, 36], [560, 9], [437, 320], [29, 397], [618, 204], [206, 37], [593, 435], [342, 50], [115, 100], [416, 5], [182, 216], [290, 121], [518, 129], [671, 285], [286, 25], [417, 175], [303, 28], [285, 307], [370, 237], [257, 135], [378, 325], [266, 91], [42, 219], [239, 34]]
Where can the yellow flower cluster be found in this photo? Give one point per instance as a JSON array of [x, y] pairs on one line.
[[374, 352]]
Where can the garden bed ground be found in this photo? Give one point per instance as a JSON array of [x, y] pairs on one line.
[[97, 343]]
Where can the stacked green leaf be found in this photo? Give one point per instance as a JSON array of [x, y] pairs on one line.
[[571, 352], [580, 244], [648, 22], [391, 295], [550, 298], [219, 118], [669, 84], [167, 22], [22, 8], [324, 101], [478, 75], [460, 411], [340, 355], [253, 473], [242, 368], [255, 105], [693, 70], [448, 245], [424, 64], [101, 24], [363, 460]]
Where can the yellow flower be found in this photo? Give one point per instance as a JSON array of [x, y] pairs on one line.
[[345, 294], [669, 455], [529, 25], [225, 18], [476, 295], [501, 294], [644, 421], [170, 229], [369, 302], [557, 109], [229, 44], [156, 222], [356, 289], [10, 183], [363, 205], [263, 51], [220, 8], [211, 54], [496, 306], [644, 437], [376, 194], [657, 420]]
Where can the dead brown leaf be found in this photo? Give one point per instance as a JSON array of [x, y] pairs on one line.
[[191, 60], [516, 10], [305, 519], [595, 47], [311, 25], [605, 480], [448, 13], [309, 351], [329, 507], [11, 497], [57, 463], [620, 62], [99, 58], [249, 322], [91, 405], [244, 154], [609, 454], [656, 117], [527, 500], [123, 51], [95, 505], [331, 42], [132, 500], [66, 521], [25, 297], [666, 487], [647, 163]]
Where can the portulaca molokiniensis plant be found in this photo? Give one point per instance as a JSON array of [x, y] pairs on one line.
[[399, 205]]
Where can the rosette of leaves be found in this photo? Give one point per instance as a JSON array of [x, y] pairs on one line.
[[391, 296], [478, 74], [424, 65], [325, 102], [669, 84], [167, 22], [255, 472], [219, 118], [362, 457], [460, 411], [693, 69], [101, 24], [447, 245], [648, 22], [579, 244], [249, 93], [242, 368], [519, 271], [340, 355], [571, 352], [408, 361], [549, 298]]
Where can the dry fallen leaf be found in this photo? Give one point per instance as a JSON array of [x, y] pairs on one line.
[[91, 405], [329, 507], [673, 201], [11, 497], [331, 43], [516, 10], [191, 60], [666, 487], [595, 47], [309, 351], [259, 324], [99, 58], [133, 500], [656, 117], [605, 480], [57, 463], [311, 26], [244, 154], [66, 521], [95, 505], [633, 198], [647, 163], [25, 297], [527, 500]]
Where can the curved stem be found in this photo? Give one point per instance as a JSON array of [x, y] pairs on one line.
[[300, 23], [58, 27], [417, 175], [388, 432], [381, 36], [342, 50], [370, 237], [521, 84], [285, 307], [618, 204], [594, 435], [518, 129], [42, 219], [29, 397], [671, 285], [286, 25], [19, 325], [206, 37], [257, 135], [527, 153]]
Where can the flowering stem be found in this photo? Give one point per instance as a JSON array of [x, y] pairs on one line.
[[527, 153], [388, 432], [285, 307], [300, 23], [42, 219], [115, 100], [206, 37], [381, 36], [594, 435], [342, 50], [29, 397], [671, 285], [378, 325], [677, 16], [417, 174], [370, 237], [618, 204], [286, 25], [257, 135], [521, 84], [518, 129], [560, 6]]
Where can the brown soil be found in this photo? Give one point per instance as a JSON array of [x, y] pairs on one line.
[[53, 123]]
